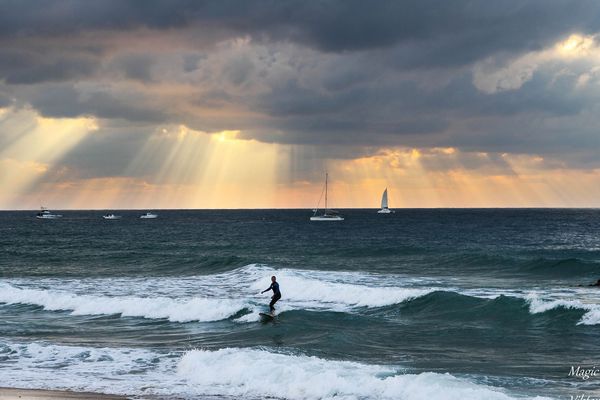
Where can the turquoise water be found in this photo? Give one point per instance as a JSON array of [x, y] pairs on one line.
[[481, 304]]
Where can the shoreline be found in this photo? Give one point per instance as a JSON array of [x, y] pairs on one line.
[[7, 393]]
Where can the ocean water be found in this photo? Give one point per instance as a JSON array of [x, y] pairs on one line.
[[420, 304]]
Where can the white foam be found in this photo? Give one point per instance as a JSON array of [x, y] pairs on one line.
[[259, 374], [240, 372], [337, 291], [540, 305], [175, 310], [106, 370], [592, 317]]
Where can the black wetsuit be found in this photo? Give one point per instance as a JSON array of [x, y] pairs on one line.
[[276, 294]]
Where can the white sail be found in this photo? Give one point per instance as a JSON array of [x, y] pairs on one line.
[[384, 199], [384, 204]]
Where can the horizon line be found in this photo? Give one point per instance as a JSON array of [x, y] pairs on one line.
[[311, 209]]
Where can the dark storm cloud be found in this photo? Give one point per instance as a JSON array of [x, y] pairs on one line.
[[24, 66], [65, 101], [5, 100], [458, 29], [62, 17], [136, 67], [368, 113]]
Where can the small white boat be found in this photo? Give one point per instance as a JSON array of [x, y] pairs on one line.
[[328, 215], [149, 215], [384, 204], [111, 216], [46, 214]]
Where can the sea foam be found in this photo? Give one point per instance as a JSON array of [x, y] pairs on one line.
[[539, 305], [316, 291], [252, 373], [175, 310], [256, 373]]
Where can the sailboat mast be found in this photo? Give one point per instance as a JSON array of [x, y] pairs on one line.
[[326, 178]]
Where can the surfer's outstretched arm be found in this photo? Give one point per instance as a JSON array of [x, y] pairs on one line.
[[267, 289]]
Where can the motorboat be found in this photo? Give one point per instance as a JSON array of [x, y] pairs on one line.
[[111, 216], [149, 215], [46, 214]]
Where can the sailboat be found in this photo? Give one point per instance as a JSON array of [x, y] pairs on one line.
[[328, 215], [384, 204]]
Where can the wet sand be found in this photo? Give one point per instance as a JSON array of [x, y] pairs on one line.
[[42, 394]]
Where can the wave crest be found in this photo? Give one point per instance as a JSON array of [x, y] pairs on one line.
[[175, 310], [259, 373]]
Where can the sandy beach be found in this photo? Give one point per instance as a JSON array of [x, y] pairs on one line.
[[42, 394]]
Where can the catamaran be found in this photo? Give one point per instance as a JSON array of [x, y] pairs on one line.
[[384, 204], [328, 215]]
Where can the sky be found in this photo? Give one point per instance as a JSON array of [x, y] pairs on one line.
[[245, 104]]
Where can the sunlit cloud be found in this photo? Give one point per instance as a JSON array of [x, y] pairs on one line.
[[577, 46], [491, 76]]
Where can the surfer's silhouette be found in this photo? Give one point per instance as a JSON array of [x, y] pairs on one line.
[[596, 284], [276, 293]]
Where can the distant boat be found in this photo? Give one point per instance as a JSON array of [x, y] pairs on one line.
[[111, 216], [149, 215], [384, 204], [328, 215], [46, 214]]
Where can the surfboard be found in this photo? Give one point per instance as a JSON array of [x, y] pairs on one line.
[[266, 315]]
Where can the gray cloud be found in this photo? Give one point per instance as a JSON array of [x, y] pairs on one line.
[[136, 67], [449, 31], [25, 66], [66, 101]]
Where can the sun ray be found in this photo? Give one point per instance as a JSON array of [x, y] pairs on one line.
[[34, 144]]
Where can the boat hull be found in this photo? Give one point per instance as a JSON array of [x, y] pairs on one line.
[[326, 219], [385, 211]]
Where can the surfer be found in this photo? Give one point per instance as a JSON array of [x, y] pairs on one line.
[[596, 284], [276, 293]]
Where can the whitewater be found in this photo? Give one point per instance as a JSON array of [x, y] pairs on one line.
[[174, 299]]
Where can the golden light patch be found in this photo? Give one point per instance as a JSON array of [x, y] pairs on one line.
[[576, 45], [227, 135], [415, 154]]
